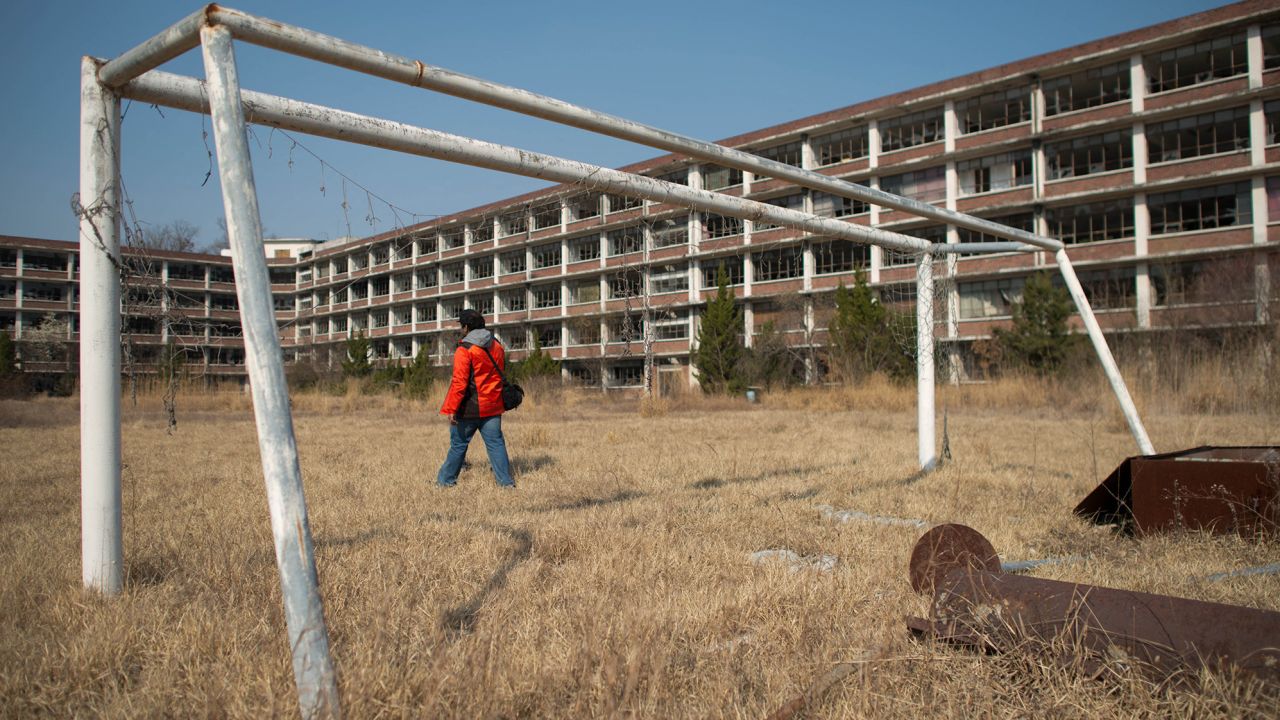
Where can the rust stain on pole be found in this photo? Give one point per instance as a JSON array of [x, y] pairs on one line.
[[1219, 489], [1086, 626]]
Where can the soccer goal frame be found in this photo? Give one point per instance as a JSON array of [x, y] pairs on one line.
[[213, 28]]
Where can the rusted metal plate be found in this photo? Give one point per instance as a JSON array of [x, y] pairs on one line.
[[1220, 489], [945, 548], [1092, 628]]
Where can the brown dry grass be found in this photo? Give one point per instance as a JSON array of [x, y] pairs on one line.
[[615, 581]]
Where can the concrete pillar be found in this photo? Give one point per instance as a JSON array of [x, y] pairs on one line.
[[1253, 48], [1142, 277], [1137, 84]]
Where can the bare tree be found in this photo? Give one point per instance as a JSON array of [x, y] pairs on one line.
[[177, 236]]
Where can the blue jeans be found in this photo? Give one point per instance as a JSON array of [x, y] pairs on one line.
[[460, 436]]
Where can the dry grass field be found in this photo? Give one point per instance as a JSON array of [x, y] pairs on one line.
[[616, 581]]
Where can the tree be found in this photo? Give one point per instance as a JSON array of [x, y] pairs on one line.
[[357, 364], [537, 364], [418, 375], [1039, 339], [177, 236], [47, 341], [865, 334], [768, 362], [719, 355], [8, 355]]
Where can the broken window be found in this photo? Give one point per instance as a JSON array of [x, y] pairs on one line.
[[718, 226], [1215, 132], [989, 298], [668, 278], [795, 201], [715, 177], [454, 272], [787, 154], [425, 277], [582, 249], [513, 223], [1091, 222], [839, 256], [1019, 221], [584, 291], [993, 110], [732, 267], [619, 203], [670, 232], [994, 172], [545, 216], [834, 206], [513, 300], [1198, 63], [1201, 208], [546, 296], [778, 264], [512, 262], [918, 128], [625, 240], [584, 206], [547, 255], [927, 185], [841, 146], [1087, 88], [482, 267], [1090, 154]]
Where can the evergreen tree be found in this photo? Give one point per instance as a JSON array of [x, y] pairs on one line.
[[718, 358], [8, 355], [537, 364], [867, 337], [418, 375], [768, 362], [1039, 339], [357, 364]]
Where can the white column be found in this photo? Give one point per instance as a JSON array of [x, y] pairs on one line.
[[1139, 153], [1253, 48], [1137, 84], [102, 555], [1142, 278], [950, 126]]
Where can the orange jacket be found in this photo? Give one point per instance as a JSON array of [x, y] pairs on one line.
[[475, 390]]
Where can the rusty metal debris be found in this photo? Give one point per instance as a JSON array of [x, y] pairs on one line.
[[1085, 626], [1220, 489]]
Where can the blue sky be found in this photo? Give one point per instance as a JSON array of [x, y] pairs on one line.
[[704, 68]]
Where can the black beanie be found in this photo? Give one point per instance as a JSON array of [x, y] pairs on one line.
[[471, 319]]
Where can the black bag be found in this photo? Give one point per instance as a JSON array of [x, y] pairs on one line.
[[512, 394]]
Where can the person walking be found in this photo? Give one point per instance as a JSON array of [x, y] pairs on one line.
[[474, 401]]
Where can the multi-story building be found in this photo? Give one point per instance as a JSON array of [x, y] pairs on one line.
[[1154, 155]]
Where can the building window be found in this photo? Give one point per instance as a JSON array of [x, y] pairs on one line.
[[339, 266], [482, 267], [841, 146], [715, 177], [839, 256], [1207, 134], [512, 262], [1273, 199], [583, 249], [584, 291], [1111, 289], [787, 154], [515, 338], [625, 240], [401, 250], [732, 267], [378, 319], [1090, 154], [584, 331], [9, 259], [1020, 221], [338, 324], [513, 301], [1193, 64], [624, 328], [625, 284], [628, 374], [360, 291], [679, 177], [718, 226], [381, 255], [1271, 47], [426, 244], [482, 231], [359, 262], [547, 335], [545, 256], [993, 110], [425, 278], [670, 232], [584, 206], [426, 312], [907, 131], [546, 216], [994, 172], [1092, 222], [989, 298], [454, 238], [1200, 208], [451, 309], [794, 201], [482, 304], [1201, 281], [546, 296], [453, 273], [828, 205], [668, 279], [928, 185], [1087, 88], [779, 264], [933, 233], [402, 283], [620, 203], [513, 223], [671, 330], [338, 296]]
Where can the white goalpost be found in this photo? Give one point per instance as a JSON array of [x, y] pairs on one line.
[[134, 75]]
